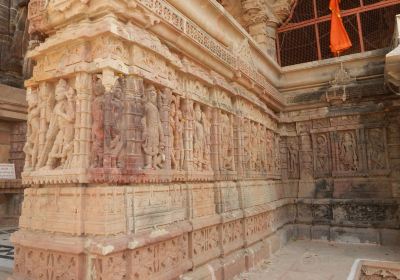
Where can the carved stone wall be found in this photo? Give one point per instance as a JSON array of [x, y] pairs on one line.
[[14, 40], [154, 150], [348, 161], [147, 163]]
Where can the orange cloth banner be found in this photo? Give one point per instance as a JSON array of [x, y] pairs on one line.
[[340, 40]]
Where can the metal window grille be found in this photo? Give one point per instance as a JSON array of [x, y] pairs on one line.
[[305, 36]]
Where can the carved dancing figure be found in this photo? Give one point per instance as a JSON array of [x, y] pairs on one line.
[[98, 124], [153, 135], [31, 147]]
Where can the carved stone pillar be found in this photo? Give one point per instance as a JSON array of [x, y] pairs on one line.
[[134, 112], [83, 84], [188, 133], [261, 23]]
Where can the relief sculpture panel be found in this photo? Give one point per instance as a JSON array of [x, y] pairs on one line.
[[322, 155], [377, 157], [347, 152]]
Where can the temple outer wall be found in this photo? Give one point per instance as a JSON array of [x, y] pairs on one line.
[[145, 163]]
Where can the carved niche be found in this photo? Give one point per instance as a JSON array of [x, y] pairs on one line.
[[346, 152], [58, 126], [377, 156], [31, 147], [260, 149], [153, 134], [176, 127], [113, 126], [98, 103], [322, 155], [293, 157], [227, 160], [201, 138]]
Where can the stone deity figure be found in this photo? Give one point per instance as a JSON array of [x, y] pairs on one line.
[[198, 138], [31, 147], [153, 135], [57, 152], [347, 152], [98, 124]]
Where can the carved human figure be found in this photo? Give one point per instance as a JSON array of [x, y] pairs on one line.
[[205, 118], [348, 158], [376, 149], [262, 145], [153, 135], [276, 153], [172, 132], [97, 124], [113, 130], [175, 132], [178, 137], [31, 147], [226, 142], [247, 144], [269, 142], [322, 151], [198, 138], [293, 157], [58, 146], [253, 147]]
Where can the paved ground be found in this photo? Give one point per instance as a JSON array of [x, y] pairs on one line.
[[314, 260], [6, 252]]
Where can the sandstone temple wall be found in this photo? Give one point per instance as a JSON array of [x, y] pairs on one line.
[[155, 150], [143, 162]]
